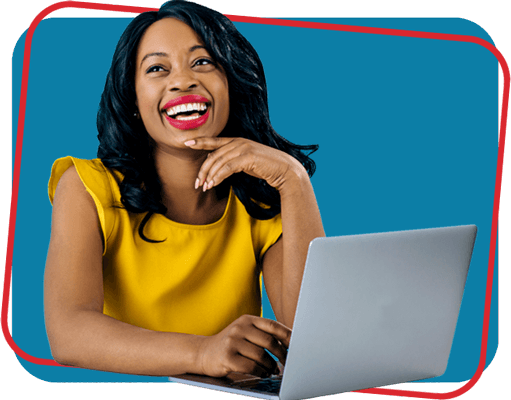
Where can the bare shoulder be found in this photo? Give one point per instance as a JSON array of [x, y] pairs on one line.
[[71, 193], [70, 184], [74, 212]]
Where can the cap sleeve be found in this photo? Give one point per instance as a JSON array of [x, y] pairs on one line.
[[99, 183], [265, 234]]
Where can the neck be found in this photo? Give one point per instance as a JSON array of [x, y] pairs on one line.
[[177, 173]]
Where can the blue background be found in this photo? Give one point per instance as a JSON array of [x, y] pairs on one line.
[[407, 130]]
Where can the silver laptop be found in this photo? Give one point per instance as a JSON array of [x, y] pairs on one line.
[[374, 310]]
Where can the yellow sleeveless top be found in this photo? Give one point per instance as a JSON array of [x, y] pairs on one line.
[[199, 280]]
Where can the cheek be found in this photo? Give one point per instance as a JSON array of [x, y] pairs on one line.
[[145, 99], [146, 107], [225, 107], [223, 89], [146, 95]]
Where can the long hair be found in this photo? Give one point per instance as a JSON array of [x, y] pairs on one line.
[[125, 145]]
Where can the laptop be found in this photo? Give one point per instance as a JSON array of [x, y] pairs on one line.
[[374, 310]]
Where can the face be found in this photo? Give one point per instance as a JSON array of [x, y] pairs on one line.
[[181, 93]]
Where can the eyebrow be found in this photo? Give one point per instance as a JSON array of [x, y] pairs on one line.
[[162, 54]]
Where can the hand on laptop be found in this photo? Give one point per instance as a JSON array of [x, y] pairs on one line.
[[241, 347]]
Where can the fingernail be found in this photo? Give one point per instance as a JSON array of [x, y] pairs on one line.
[[197, 183], [210, 184], [189, 142], [205, 187]]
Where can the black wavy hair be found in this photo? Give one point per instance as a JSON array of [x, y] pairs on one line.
[[125, 145]]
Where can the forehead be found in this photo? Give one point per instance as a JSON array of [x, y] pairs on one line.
[[167, 35]]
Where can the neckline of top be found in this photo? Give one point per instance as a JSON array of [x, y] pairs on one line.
[[214, 224]]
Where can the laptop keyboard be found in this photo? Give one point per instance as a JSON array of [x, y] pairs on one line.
[[265, 385]]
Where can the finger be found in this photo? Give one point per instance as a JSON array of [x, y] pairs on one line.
[[208, 143], [225, 167], [274, 328], [259, 355], [245, 365], [266, 341], [221, 155], [267, 334]]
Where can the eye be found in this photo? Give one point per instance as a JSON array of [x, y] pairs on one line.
[[155, 68], [204, 62]]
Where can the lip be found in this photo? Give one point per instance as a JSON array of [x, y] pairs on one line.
[[190, 124]]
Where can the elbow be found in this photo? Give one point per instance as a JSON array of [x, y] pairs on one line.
[[73, 338], [66, 344], [60, 359], [61, 352]]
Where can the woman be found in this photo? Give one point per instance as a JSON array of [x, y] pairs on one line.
[[157, 247]]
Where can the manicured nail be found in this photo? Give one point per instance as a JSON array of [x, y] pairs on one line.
[[210, 184], [205, 187], [190, 143], [197, 183]]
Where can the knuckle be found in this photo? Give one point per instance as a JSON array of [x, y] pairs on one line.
[[260, 353], [272, 324], [227, 168], [244, 149], [246, 318], [236, 330], [230, 359], [271, 342], [248, 144], [229, 341]]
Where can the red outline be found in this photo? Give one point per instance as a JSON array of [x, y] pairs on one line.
[[278, 22], [17, 159]]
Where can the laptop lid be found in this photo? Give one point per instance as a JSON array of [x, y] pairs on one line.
[[376, 309]]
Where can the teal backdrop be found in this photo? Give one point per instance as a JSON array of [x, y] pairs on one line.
[[407, 132]]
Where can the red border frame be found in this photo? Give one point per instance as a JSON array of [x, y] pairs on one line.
[[278, 22]]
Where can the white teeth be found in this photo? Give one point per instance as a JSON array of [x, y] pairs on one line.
[[186, 107], [181, 118]]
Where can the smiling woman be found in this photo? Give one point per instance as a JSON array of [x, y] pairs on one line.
[[158, 245], [171, 60]]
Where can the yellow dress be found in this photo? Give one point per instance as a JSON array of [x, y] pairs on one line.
[[199, 280]]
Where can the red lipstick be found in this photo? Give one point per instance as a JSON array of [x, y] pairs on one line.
[[186, 124], [190, 98]]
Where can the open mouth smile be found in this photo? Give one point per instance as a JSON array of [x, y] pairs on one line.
[[187, 112]]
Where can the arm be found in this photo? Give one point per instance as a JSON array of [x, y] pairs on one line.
[[78, 331], [284, 262], [81, 335]]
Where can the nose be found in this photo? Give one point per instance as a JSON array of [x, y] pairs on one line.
[[182, 80]]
